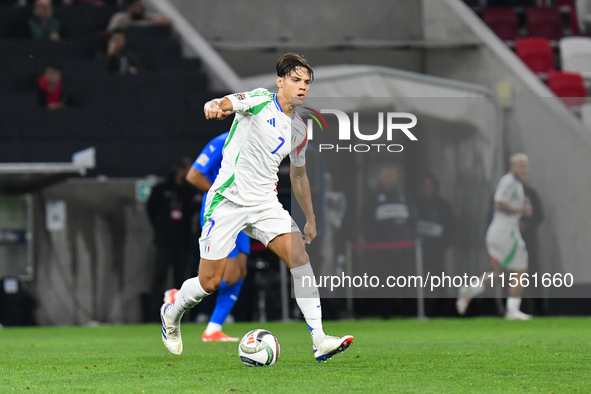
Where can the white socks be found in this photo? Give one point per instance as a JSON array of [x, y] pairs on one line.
[[475, 291], [190, 294], [212, 327], [308, 299], [306, 293], [513, 304]]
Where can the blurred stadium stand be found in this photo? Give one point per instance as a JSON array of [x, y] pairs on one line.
[[546, 38], [544, 22], [129, 116], [503, 21]]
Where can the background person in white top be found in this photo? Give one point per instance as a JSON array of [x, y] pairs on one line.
[[243, 198], [503, 238]]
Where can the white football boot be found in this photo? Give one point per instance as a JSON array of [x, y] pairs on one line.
[[171, 335], [517, 315], [330, 346], [463, 300]]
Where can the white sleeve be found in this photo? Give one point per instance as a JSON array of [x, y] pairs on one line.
[[504, 191], [250, 102], [297, 155]]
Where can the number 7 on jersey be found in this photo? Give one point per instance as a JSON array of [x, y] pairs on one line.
[[280, 145]]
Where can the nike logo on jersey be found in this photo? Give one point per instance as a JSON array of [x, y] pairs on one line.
[[271, 122]]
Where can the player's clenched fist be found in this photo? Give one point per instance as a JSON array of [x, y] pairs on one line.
[[309, 232], [213, 110]]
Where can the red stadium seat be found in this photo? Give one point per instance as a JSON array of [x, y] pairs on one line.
[[566, 4], [502, 21], [544, 22], [536, 53], [565, 84]]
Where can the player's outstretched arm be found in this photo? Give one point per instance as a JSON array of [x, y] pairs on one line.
[[197, 179], [301, 190], [218, 108]]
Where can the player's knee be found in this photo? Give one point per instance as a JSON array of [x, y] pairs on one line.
[[235, 276], [299, 259], [210, 284]]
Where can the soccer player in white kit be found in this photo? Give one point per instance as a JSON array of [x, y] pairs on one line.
[[266, 128], [503, 238]]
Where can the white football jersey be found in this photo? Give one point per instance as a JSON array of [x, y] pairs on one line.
[[260, 138], [509, 192]]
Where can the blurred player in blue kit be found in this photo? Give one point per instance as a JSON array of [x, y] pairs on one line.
[[202, 175]]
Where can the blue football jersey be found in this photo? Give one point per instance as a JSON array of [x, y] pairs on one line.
[[209, 161]]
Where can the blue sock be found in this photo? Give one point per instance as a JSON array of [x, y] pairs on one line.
[[227, 297]]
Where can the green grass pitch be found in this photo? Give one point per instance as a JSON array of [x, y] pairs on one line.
[[484, 355]]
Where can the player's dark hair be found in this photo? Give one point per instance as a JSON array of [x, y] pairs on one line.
[[289, 62]]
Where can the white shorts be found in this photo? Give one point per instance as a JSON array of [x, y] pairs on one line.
[[506, 248], [225, 219]]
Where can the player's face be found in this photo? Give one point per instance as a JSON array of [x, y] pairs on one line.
[[521, 170], [295, 86]]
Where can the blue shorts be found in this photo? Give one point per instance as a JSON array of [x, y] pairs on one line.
[[242, 240]]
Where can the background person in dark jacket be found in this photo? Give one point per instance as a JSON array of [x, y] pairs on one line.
[[170, 209], [388, 220], [388, 214], [42, 24], [119, 58], [435, 226]]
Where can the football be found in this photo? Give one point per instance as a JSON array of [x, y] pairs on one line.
[[258, 348]]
